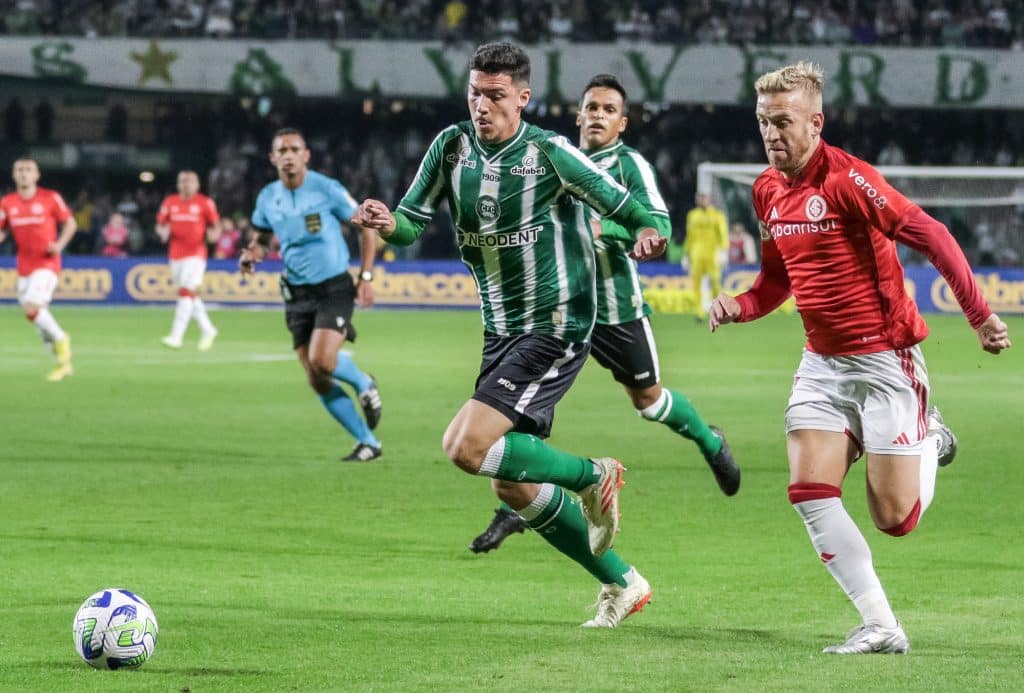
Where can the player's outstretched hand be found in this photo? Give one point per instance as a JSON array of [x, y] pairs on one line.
[[724, 309], [648, 245], [994, 335], [374, 214]]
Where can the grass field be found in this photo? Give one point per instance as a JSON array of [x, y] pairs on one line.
[[210, 484]]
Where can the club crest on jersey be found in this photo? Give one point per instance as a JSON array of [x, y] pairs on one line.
[[462, 158], [37, 208], [528, 167], [487, 208], [815, 208]]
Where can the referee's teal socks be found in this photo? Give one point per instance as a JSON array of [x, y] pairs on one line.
[[348, 372], [340, 406]]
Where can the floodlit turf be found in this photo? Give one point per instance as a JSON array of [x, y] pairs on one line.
[[210, 483]]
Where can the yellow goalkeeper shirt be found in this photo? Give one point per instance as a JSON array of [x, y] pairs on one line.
[[706, 233]]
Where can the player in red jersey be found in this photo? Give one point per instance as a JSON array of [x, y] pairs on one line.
[[189, 220], [31, 215], [829, 223]]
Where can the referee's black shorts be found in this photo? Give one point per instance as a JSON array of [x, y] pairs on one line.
[[327, 305]]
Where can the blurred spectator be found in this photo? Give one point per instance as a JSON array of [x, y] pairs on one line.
[[742, 249], [227, 245], [84, 210], [115, 237]]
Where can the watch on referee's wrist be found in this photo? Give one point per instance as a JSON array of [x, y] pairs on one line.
[[366, 276]]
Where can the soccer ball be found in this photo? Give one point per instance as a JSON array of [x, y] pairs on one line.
[[115, 629]]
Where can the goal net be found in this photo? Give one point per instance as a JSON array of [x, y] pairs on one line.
[[983, 206]]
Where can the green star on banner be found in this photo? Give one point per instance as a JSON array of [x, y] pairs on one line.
[[155, 64]]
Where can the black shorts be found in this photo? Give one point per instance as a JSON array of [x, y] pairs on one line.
[[628, 351], [524, 377], [327, 305]]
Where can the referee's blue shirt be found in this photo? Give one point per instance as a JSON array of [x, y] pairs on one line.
[[307, 222]]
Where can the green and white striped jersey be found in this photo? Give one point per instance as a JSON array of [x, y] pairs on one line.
[[619, 295], [520, 210]]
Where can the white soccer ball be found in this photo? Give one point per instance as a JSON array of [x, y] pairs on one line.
[[115, 629]]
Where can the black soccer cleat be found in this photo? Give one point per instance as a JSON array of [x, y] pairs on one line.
[[363, 452], [724, 467], [505, 522], [369, 400]]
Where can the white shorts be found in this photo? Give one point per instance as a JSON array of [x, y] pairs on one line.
[[37, 288], [188, 272], [880, 399]]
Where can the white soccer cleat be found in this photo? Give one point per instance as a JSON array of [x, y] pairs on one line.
[[873, 639], [600, 503], [206, 340], [615, 603], [171, 342], [947, 439]]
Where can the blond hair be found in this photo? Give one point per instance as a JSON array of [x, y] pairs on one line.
[[805, 76]]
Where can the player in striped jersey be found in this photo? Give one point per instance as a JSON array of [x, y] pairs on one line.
[[623, 341], [519, 197]]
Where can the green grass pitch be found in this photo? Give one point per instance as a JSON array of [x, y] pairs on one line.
[[210, 483]]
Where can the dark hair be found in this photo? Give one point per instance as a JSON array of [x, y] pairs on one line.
[[289, 131], [25, 157], [502, 58], [608, 82]]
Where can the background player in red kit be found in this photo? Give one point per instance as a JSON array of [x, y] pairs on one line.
[[31, 214], [189, 220], [829, 223]]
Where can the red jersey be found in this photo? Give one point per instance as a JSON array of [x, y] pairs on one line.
[[828, 238], [33, 222], [188, 220]]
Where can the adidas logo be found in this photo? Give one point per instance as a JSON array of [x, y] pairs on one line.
[[774, 214], [901, 439]]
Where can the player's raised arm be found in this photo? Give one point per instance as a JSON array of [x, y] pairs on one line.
[[585, 181]]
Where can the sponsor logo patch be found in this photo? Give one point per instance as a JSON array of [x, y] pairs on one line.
[[462, 158], [865, 186], [528, 167], [313, 223], [499, 240]]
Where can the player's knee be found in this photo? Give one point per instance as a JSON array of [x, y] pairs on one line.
[[461, 451], [513, 494], [651, 402], [321, 367], [898, 520]]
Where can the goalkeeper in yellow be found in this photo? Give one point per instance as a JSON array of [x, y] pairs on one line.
[[705, 248]]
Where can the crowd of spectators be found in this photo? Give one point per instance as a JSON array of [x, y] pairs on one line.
[[375, 147], [994, 23]]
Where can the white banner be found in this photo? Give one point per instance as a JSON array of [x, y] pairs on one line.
[[855, 75]]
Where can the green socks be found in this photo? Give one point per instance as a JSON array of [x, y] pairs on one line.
[[558, 519], [676, 412], [526, 458]]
